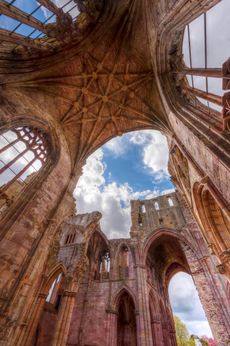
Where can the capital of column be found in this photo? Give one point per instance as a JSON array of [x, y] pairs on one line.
[[111, 311], [69, 294]]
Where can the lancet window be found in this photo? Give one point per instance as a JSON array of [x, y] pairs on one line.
[[23, 152], [124, 262], [55, 292], [170, 202], [70, 237], [104, 265], [156, 205]]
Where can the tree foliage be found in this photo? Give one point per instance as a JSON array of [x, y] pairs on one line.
[[184, 339], [182, 334]]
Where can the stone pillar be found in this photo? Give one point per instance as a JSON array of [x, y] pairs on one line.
[[64, 318], [30, 329], [111, 328], [144, 332], [157, 331]]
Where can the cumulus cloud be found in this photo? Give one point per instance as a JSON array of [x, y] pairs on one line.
[[186, 304], [154, 150], [113, 199], [118, 146]]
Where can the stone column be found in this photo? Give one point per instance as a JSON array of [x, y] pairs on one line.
[[111, 339], [64, 318], [30, 329], [157, 331], [144, 332]]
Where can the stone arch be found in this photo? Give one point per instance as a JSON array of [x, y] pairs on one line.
[[123, 264], [33, 328], [214, 216], [192, 264], [98, 253], [118, 294], [159, 233], [53, 273], [126, 323]]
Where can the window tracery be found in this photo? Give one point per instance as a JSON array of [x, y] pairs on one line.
[[23, 152]]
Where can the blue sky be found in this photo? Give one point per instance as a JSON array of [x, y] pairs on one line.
[[39, 12]]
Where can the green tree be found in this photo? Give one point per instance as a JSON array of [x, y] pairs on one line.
[[182, 334]]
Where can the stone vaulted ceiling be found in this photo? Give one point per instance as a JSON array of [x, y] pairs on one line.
[[97, 88]]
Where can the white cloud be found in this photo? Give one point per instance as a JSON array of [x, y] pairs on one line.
[[117, 146], [186, 304], [111, 199], [155, 152]]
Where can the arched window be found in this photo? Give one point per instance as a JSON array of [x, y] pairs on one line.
[[203, 62], [143, 209], [70, 238], [170, 202], [55, 292], [124, 262], [104, 265], [156, 205], [23, 152], [99, 257]]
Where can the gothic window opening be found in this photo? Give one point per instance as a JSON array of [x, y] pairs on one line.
[[124, 262], [104, 265], [143, 209], [156, 205], [55, 292], [23, 152], [170, 202], [205, 66], [70, 238], [126, 321], [99, 257]]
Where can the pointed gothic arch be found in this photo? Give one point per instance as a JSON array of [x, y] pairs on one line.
[[214, 215], [126, 320]]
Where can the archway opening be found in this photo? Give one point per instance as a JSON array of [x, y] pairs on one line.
[[189, 317], [126, 321], [49, 316]]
